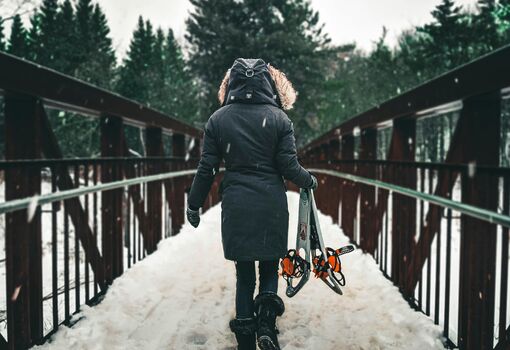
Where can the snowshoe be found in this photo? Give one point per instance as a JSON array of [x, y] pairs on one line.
[[325, 261]]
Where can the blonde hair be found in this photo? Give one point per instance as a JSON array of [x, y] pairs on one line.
[[284, 88]]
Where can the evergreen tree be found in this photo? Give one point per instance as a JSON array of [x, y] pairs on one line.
[[18, 39], [86, 52], [285, 33], [33, 35], [66, 50], [172, 88], [47, 35], [135, 72], [485, 27], [445, 44], [174, 56], [94, 52], [410, 58], [102, 55], [2, 43], [76, 43], [502, 19], [182, 95], [83, 16], [156, 72], [386, 83]]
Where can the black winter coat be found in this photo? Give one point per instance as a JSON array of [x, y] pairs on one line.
[[255, 138]]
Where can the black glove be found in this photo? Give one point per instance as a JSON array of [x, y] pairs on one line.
[[193, 217], [314, 184]]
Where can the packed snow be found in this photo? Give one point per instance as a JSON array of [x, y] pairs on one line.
[[182, 297]]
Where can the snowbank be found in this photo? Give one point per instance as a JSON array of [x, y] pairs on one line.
[[182, 297]]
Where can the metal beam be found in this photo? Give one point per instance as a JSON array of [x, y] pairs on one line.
[[478, 239], [23, 230], [480, 76], [368, 150], [154, 146], [112, 142], [71, 94]]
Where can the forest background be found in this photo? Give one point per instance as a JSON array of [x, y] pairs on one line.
[[335, 82]]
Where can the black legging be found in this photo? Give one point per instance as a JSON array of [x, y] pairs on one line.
[[245, 287]]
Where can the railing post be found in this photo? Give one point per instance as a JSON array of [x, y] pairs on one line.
[[334, 185], [478, 238], [177, 205], [194, 152], [348, 187], [322, 193], [23, 236], [194, 156], [368, 151], [154, 147], [403, 208], [112, 141]]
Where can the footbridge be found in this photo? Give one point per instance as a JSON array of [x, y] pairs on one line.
[[96, 250]]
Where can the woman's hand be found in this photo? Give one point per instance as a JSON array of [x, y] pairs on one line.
[[314, 184], [193, 217]]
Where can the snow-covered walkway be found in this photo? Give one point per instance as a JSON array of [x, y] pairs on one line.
[[182, 297]]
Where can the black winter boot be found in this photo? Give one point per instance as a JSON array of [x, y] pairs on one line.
[[267, 307], [244, 330]]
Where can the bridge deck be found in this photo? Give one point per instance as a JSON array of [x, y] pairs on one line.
[[182, 297]]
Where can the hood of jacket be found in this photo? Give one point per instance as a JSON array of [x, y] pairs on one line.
[[254, 81]]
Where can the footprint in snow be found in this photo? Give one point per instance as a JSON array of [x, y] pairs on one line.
[[196, 338]]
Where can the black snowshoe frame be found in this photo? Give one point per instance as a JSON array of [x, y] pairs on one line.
[[311, 252]]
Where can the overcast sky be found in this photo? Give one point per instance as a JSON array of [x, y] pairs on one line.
[[345, 20]]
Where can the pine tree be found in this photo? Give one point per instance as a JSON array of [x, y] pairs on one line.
[[156, 72], [33, 34], [175, 58], [134, 81], [182, 96], [502, 19], [411, 56], [285, 33], [93, 52], [89, 56], [386, 83], [102, 53], [18, 39], [136, 72], [66, 50], [445, 39], [485, 26], [83, 17], [84, 10], [2, 43], [46, 38]]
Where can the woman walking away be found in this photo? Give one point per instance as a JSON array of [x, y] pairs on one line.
[[255, 138]]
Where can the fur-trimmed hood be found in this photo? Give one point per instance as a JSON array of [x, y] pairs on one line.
[[268, 85]]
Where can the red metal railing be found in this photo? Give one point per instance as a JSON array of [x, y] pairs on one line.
[[65, 254], [412, 240]]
